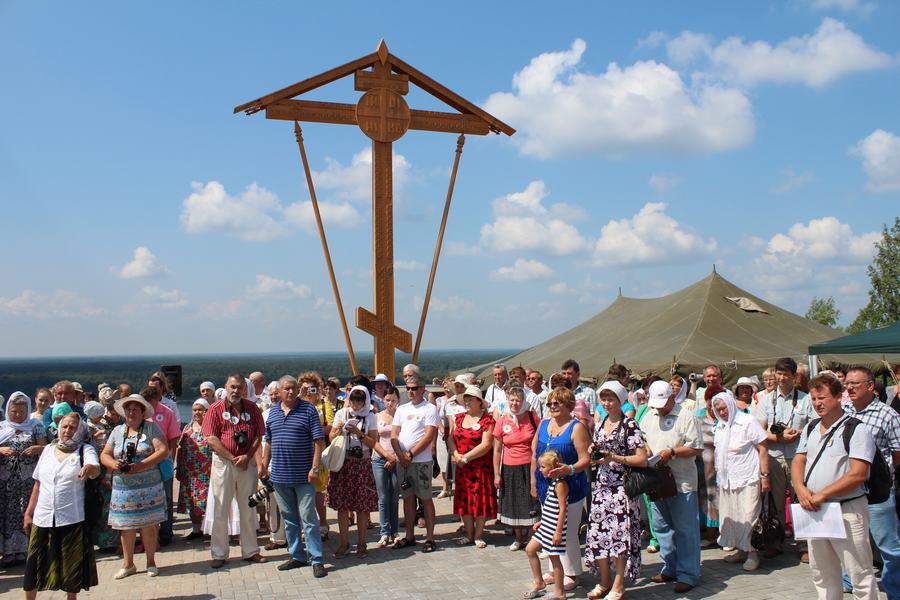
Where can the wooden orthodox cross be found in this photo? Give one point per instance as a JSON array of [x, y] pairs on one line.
[[384, 116]]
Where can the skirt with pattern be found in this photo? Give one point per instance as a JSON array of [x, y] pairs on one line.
[[614, 529], [137, 500], [517, 507], [353, 487], [60, 558]]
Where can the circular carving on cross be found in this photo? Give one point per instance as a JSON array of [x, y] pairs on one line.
[[383, 115]]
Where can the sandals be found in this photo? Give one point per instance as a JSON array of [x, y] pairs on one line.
[[429, 546], [464, 541], [534, 593], [598, 592], [480, 544], [361, 551], [341, 551], [402, 542]]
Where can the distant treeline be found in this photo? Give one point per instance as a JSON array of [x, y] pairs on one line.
[[29, 374]]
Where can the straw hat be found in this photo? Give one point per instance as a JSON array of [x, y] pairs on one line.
[[120, 405]]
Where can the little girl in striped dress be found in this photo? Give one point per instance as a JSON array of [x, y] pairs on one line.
[[549, 532]]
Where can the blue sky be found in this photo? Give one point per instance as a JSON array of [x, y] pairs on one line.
[[141, 216]]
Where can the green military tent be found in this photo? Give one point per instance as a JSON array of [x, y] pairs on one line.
[[882, 340], [711, 321]]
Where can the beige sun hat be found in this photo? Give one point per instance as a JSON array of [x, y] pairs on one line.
[[120, 405]]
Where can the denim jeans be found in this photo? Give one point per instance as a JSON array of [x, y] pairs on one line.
[[297, 502], [388, 497], [883, 527], [676, 522]]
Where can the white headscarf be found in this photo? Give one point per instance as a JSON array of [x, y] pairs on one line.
[[201, 402], [721, 455], [80, 436], [682, 391], [9, 428], [523, 407], [367, 407], [616, 388], [221, 394]]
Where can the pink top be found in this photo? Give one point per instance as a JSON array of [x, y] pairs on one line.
[[385, 423], [167, 422], [516, 439]]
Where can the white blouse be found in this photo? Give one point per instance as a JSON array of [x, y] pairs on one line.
[[61, 494], [743, 457]]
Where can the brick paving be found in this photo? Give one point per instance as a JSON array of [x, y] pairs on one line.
[[449, 573]]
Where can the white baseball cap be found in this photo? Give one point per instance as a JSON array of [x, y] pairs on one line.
[[659, 394]]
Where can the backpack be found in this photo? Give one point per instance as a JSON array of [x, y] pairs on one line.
[[880, 476]]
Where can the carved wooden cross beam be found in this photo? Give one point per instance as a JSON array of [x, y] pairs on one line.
[[384, 116]]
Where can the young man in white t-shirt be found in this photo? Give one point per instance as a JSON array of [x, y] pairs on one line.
[[412, 435]]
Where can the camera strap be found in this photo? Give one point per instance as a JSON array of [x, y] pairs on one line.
[[824, 443]]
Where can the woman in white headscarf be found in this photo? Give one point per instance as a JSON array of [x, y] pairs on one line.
[[22, 440], [193, 468], [742, 471], [352, 489]]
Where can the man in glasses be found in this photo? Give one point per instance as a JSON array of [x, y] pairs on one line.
[[412, 436], [535, 394]]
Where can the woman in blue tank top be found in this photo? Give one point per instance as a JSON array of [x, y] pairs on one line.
[[570, 438]]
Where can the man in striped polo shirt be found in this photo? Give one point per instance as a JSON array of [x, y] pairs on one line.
[[294, 446]]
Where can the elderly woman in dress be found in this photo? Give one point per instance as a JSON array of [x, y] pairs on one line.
[[22, 440], [470, 446], [512, 465], [742, 471], [352, 489], [138, 502], [192, 471], [614, 524], [60, 553]]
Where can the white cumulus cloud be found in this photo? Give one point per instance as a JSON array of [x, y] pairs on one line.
[[58, 304], [522, 223], [342, 215], [522, 270], [563, 109], [790, 259], [451, 304], [815, 60], [253, 215], [143, 264], [848, 6], [157, 297], [880, 152], [280, 289], [651, 237], [354, 181]]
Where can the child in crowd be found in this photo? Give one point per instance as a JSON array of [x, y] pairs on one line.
[[549, 532]]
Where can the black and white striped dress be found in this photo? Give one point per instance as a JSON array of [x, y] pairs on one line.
[[549, 518]]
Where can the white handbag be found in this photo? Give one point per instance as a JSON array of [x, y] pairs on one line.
[[333, 456]]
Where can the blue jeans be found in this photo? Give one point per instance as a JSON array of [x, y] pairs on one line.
[[676, 522], [883, 527], [297, 502], [388, 497]]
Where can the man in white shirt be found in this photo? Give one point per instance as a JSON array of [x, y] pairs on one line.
[[583, 393], [263, 400], [535, 394], [495, 395], [412, 435]]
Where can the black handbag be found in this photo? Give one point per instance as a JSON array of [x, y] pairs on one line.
[[640, 480], [93, 496], [768, 530]]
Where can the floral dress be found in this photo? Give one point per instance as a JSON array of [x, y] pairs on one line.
[[15, 489], [614, 525], [192, 472], [138, 499], [476, 493]]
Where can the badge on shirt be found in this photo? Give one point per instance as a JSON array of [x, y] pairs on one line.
[[418, 417], [670, 422], [507, 428], [245, 417], [476, 426], [159, 417], [226, 416]]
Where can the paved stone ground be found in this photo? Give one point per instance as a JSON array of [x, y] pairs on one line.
[[449, 573]]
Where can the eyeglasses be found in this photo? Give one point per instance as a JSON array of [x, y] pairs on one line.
[[412, 388], [849, 384], [553, 404]]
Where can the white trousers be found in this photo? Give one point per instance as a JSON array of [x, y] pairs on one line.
[[855, 554], [572, 563], [227, 483]]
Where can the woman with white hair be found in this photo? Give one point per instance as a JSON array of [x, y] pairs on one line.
[[614, 524], [352, 488], [22, 440], [742, 471], [193, 468]]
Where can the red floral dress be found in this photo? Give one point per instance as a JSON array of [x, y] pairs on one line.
[[475, 492]]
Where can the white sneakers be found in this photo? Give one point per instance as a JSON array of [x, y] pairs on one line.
[[752, 562]]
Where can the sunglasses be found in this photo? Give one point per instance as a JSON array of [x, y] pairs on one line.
[[553, 404], [412, 388]]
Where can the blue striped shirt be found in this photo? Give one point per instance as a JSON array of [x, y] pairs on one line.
[[292, 438]]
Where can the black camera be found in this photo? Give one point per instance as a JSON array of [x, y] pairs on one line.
[[130, 453], [241, 439], [778, 428], [355, 452], [598, 454], [405, 484], [260, 495]]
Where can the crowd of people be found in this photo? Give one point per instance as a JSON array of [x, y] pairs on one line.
[[579, 474]]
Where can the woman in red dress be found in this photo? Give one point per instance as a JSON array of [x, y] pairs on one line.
[[470, 444]]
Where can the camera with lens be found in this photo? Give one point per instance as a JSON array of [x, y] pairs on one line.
[[355, 452], [598, 454], [261, 495], [405, 484], [778, 428], [130, 453], [695, 377], [241, 439]]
